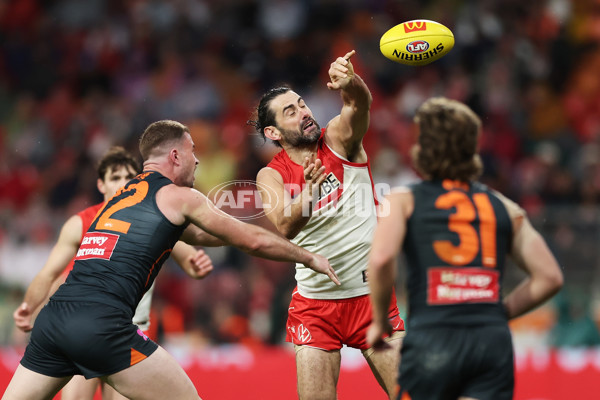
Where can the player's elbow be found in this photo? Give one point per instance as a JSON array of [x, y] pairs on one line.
[[255, 243], [554, 280]]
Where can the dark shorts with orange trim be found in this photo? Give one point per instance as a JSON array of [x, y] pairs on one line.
[[330, 324], [84, 338], [445, 363]]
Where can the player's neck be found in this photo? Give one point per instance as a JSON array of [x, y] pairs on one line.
[[161, 168], [298, 154]]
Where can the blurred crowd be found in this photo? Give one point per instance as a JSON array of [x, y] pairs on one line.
[[79, 76]]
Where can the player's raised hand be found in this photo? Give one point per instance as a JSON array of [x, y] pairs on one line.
[[201, 265], [321, 264], [341, 72], [22, 317], [314, 175]]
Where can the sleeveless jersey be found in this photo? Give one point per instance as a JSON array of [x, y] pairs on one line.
[[456, 242], [87, 217], [341, 226], [124, 248]]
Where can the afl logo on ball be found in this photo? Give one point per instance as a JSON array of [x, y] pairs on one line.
[[417, 46]]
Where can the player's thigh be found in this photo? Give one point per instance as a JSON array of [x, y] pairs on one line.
[[317, 372], [109, 393], [80, 388], [27, 384], [157, 377], [384, 363]]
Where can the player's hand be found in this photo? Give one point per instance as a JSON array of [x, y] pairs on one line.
[[201, 265], [321, 264], [22, 317], [341, 72], [375, 334], [314, 176]]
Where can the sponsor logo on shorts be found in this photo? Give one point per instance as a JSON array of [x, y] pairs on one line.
[[139, 332], [97, 245], [303, 334]]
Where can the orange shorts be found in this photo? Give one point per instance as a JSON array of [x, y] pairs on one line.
[[330, 324]]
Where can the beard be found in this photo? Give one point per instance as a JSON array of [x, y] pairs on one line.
[[299, 138]]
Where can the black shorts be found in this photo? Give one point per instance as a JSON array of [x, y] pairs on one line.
[[83, 338], [449, 362]]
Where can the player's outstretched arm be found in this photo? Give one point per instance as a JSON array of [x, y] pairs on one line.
[[254, 240], [381, 271], [39, 290], [194, 262], [346, 131], [530, 253]]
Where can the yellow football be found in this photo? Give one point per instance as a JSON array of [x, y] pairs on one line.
[[416, 42]]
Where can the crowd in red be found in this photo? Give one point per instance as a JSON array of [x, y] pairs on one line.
[[78, 77]]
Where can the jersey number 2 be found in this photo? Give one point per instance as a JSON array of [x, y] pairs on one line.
[[461, 222], [111, 224]]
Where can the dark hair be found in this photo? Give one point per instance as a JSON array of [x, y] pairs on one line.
[[114, 158], [448, 139], [265, 116], [158, 133]]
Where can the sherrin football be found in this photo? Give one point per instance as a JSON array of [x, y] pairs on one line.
[[417, 42]]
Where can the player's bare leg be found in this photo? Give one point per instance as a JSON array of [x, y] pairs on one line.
[[317, 372], [157, 377], [28, 385], [109, 393], [80, 388], [384, 364]]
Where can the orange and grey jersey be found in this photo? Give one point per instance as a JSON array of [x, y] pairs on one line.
[[124, 248], [456, 242]]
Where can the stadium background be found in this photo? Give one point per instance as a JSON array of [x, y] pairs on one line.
[[79, 76]]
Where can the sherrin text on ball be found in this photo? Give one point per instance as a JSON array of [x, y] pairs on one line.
[[416, 42]]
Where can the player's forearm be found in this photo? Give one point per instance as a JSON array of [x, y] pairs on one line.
[[207, 240], [381, 279], [357, 94], [38, 291], [269, 245], [530, 294], [295, 215]]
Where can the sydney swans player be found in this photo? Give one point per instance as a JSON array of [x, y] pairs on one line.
[[322, 175]]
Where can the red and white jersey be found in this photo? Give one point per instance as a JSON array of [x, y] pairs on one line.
[[341, 226]]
